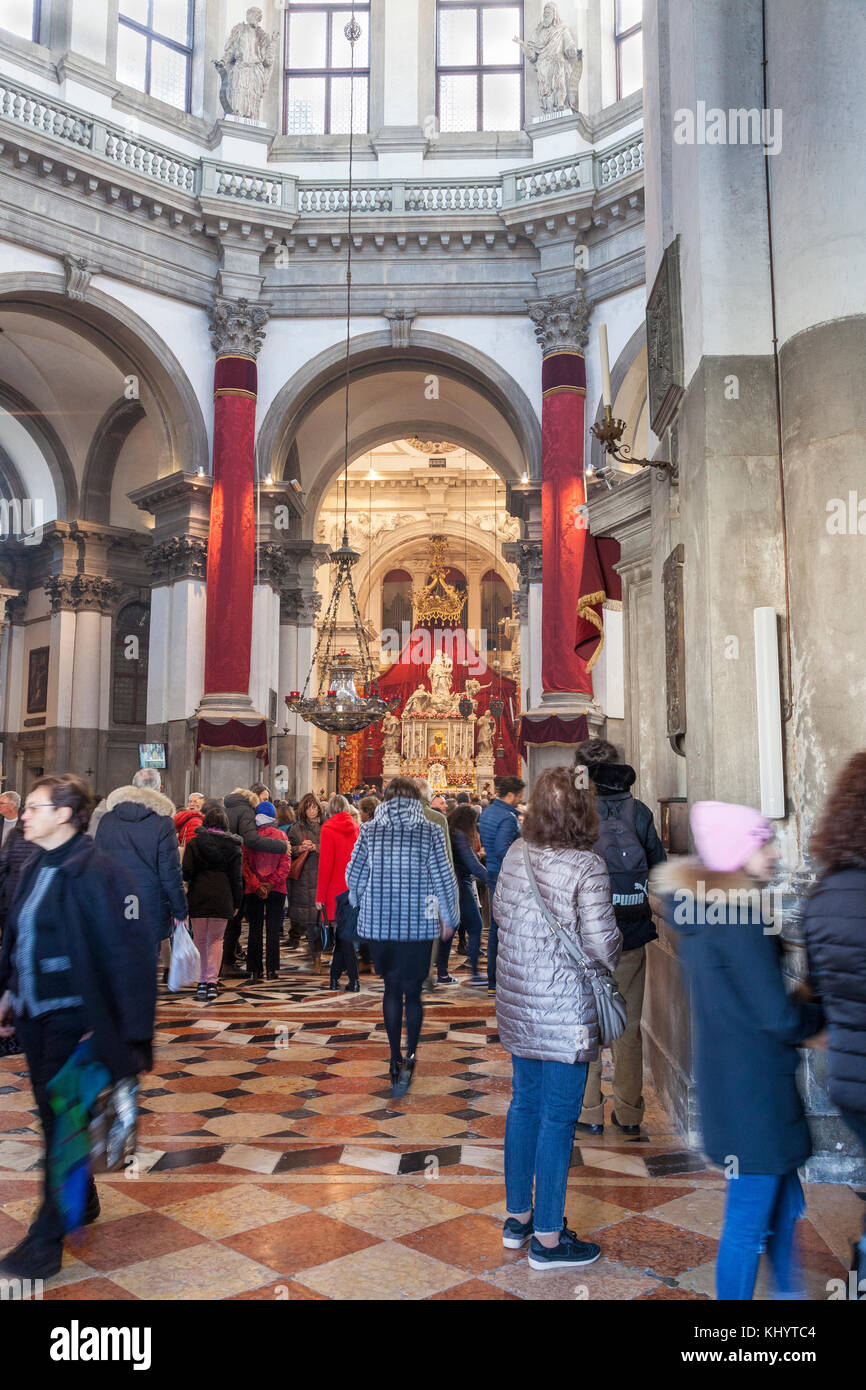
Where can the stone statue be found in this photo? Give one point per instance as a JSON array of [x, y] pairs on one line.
[[246, 66], [418, 702], [390, 730], [439, 674], [557, 60], [486, 729]]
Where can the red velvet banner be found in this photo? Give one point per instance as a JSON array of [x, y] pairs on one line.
[[552, 730], [563, 528], [231, 537], [233, 734], [599, 581]]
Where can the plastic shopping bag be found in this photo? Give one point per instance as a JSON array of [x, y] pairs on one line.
[[185, 968]]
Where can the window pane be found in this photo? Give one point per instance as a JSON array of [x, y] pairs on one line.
[[134, 9], [168, 75], [458, 103], [171, 18], [628, 13], [341, 49], [501, 95], [631, 65], [131, 57], [340, 105], [497, 36], [308, 41], [17, 17], [305, 106], [458, 39]]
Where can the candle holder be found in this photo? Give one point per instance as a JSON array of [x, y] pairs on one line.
[[609, 432]]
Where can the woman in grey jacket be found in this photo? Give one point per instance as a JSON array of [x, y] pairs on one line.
[[545, 1008]]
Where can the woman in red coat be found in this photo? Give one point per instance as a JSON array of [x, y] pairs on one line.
[[339, 834], [265, 881]]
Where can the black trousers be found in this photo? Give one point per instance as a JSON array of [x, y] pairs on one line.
[[344, 957], [232, 937], [267, 912], [49, 1042]]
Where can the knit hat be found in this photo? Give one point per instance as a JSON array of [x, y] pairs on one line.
[[727, 835], [265, 813]]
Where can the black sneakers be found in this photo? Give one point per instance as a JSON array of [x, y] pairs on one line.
[[516, 1233], [404, 1079], [201, 994], [568, 1254]]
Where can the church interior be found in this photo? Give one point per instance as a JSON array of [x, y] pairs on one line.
[[420, 389]]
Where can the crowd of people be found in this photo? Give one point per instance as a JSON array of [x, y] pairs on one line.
[[568, 885]]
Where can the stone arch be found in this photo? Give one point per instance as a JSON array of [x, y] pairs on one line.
[[372, 354], [166, 393], [11, 482], [50, 446], [420, 531], [109, 437]]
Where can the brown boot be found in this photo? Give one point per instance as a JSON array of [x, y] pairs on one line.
[[318, 968]]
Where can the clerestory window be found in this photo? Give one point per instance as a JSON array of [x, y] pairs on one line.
[[154, 48], [629, 47], [319, 69], [479, 67]]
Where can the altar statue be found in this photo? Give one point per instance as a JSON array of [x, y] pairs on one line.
[[557, 60], [436, 777], [486, 729], [439, 674], [246, 65], [418, 702], [390, 731]]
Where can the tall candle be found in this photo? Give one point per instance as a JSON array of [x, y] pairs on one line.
[[606, 396]]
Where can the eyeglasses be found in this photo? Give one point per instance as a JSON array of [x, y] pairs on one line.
[[39, 805]]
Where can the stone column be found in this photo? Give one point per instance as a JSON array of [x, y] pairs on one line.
[[6, 597], [293, 750], [561, 326], [81, 607], [237, 332]]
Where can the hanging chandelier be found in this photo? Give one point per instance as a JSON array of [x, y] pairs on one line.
[[339, 707]]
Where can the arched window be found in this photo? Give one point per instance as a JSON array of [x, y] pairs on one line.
[[479, 68], [21, 17], [319, 68], [496, 605], [154, 48], [129, 665], [629, 47], [396, 601]]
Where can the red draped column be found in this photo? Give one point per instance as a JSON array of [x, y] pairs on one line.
[[560, 324], [238, 330]]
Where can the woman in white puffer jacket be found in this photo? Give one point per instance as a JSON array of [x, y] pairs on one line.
[[545, 1007]]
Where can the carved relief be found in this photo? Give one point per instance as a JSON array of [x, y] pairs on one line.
[[238, 327], [180, 557], [81, 593], [664, 334]]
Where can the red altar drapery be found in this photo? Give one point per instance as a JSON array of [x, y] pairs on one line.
[[599, 582]]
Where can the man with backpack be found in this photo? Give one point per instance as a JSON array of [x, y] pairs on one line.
[[630, 847]]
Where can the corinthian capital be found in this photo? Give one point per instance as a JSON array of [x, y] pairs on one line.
[[561, 322], [238, 327]]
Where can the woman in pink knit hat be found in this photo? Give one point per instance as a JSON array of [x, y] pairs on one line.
[[746, 1032]]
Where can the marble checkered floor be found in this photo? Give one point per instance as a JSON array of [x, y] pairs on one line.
[[273, 1164]]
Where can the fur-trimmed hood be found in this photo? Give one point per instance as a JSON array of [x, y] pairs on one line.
[[133, 803], [691, 897]]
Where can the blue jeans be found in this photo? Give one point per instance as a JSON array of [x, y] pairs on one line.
[[761, 1213], [492, 949], [539, 1134]]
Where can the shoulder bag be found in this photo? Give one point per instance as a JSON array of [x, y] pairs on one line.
[[609, 1003]]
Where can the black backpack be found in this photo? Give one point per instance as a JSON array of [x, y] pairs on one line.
[[625, 857]]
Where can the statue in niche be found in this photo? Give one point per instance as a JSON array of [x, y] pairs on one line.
[[439, 674], [557, 60], [486, 729], [390, 731], [246, 66]]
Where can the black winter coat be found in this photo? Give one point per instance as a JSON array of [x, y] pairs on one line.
[[302, 902], [835, 929], [89, 947], [747, 1026], [212, 869], [137, 832], [242, 822], [13, 857]]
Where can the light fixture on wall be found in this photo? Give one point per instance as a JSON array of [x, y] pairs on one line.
[[340, 708], [609, 432]]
